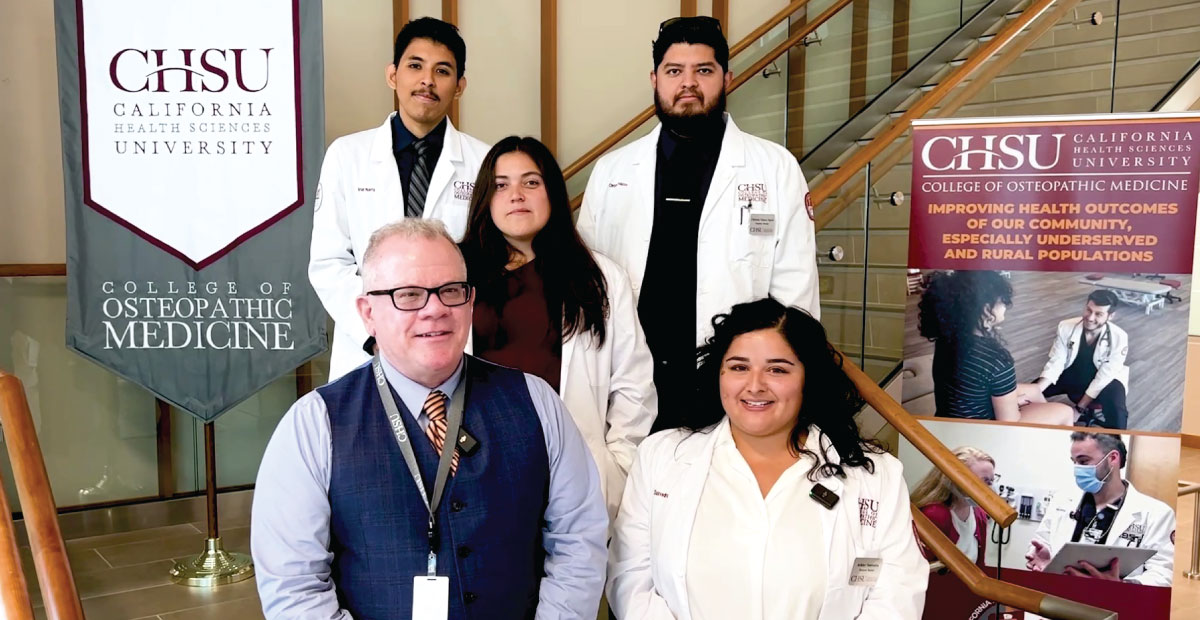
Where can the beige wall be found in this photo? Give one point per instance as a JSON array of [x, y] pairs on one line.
[[358, 47], [504, 54], [1191, 389], [602, 85], [1153, 466], [31, 203]]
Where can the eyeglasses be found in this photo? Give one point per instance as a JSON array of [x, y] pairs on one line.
[[412, 298], [703, 21]]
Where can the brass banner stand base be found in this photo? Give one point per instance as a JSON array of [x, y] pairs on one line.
[[215, 566], [212, 568]]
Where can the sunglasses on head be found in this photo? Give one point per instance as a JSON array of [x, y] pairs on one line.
[[697, 21]]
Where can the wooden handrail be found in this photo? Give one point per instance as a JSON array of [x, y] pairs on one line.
[[1000, 591], [37, 504], [14, 593], [648, 113], [926, 103], [19, 270], [930, 446], [900, 150]]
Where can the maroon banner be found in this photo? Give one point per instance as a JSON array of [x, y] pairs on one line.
[[1060, 195], [948, 598]]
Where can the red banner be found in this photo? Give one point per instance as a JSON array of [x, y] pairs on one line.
[[1072, 194]]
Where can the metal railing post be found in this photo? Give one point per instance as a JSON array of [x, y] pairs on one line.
[[1191, 488]]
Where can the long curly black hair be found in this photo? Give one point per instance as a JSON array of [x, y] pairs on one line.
[[829, 399], [955, 305]]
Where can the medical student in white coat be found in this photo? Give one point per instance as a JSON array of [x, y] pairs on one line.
[[548, 306], [1107, 510], [699, 210], [415, 164], [767, 504], [1101, 376]]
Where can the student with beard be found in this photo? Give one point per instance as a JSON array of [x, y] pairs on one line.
[[699, 210]]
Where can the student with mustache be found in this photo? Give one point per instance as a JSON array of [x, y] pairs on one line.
[[414, 165]]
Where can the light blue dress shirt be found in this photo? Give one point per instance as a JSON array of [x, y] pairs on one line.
[[289, 535]]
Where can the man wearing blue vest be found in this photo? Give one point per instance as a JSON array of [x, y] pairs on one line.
[[361, 510]]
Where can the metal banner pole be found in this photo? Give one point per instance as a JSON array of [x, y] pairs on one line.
[[214, 566]]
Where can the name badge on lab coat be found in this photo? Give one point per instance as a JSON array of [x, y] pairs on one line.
[[762, 223], [865, 571]]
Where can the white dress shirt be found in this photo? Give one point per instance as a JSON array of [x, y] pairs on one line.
[[966, 534], [753, 557]]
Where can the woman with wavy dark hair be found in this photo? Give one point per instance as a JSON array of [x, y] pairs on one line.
[[548, 306], [767, 469], [974, 375]]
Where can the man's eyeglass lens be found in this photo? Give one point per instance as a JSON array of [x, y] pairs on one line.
[[416, 297]]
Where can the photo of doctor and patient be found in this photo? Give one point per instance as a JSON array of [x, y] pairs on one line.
[[1080, 349], [1095, 513]]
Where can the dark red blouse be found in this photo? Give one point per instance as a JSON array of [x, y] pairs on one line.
[[513, 328]]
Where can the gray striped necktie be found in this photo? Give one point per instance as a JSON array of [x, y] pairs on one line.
[[418, 182]]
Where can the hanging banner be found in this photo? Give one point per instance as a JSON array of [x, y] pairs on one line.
[[191, 148]]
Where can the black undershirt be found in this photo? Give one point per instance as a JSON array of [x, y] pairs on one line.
[[405, 152], [1082, 371], [1101, 523], [667, 304]]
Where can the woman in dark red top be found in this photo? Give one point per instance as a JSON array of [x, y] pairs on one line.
[[964, 523], [547, 305]]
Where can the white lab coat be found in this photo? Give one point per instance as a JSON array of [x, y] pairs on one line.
[[1142, 521], [1112, 346], [732, 265], [647, 563], [359, 192], [609, 389]]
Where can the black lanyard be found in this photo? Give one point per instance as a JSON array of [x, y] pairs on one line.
[[454, 416]]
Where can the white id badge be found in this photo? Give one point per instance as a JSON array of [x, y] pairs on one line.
[[431, 598], [865, 571], [762, 223]]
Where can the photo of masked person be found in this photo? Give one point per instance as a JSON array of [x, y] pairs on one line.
[[1044, 471], [1106, 510], [1087, 362], [974, 374], [955, 514]]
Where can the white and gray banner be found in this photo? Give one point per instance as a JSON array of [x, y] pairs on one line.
[[192, 138]]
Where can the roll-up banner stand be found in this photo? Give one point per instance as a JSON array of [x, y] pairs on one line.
[[1048, 298]]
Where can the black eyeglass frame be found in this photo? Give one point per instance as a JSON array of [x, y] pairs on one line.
[[429, 292], [699, 20]]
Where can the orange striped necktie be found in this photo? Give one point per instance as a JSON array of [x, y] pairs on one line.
[[435, 410]]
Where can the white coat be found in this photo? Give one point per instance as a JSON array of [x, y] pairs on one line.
[[359, 192], [648, 561], [1142, 521], [609, 389], [1112, 346], [753, 177]]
